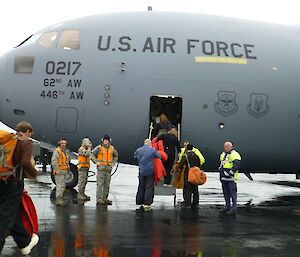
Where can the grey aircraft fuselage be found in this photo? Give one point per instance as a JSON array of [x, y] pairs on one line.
[[95, 75]]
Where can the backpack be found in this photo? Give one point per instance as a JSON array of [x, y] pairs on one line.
[[8, 143], [195, 175]]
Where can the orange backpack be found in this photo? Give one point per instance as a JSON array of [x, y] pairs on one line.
[[8, 143], [195, 175]]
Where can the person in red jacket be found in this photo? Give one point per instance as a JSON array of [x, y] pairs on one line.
[[159, 168]]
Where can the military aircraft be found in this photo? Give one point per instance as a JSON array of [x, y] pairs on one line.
[[215, 78]]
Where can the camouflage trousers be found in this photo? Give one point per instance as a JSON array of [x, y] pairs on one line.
[[60, 180], [82, 179], [103, 182]]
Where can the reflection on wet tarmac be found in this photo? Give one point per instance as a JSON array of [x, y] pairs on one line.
[[120, 230], [166, 233]]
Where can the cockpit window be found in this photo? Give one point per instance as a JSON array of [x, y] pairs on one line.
[[48, 39], [69, 39]]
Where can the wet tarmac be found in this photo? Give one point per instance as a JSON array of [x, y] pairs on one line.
[[267, 223]]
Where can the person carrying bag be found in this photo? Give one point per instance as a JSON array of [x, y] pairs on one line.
[[196, 176], [192, 178]]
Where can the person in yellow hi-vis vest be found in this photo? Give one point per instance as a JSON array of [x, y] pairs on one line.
[[229, 168], [83, 166], [105, 156], [60, 164], [195, 150]]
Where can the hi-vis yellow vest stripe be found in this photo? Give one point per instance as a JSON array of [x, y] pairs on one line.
[[227, 163]]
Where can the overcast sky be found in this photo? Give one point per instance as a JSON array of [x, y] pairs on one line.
[[21, 18]]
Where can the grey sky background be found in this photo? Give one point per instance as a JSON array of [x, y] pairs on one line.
[[19, 18]]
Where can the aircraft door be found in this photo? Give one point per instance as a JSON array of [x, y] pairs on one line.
[[171, 107], [66, 119]]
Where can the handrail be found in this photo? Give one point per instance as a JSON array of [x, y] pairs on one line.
[[150, 131]]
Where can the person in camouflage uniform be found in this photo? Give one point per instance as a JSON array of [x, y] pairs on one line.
[[83, 168], [106, 156], [60, 164]]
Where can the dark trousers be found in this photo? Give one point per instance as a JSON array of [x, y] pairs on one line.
[[145, 191], [190, 191], [230, 194], [10, 217], [169, 165]]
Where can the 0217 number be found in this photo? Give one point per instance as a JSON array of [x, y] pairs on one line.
[[62, 68]]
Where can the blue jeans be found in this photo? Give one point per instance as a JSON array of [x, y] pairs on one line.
[[230, 194], [145, 191]]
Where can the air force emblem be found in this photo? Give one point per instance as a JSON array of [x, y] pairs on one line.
[[226, 104], [258, 106]]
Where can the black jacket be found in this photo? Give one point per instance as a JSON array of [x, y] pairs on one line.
[[171, 142], [193, 158]]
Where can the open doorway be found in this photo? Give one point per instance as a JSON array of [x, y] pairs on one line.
[[169, 105]]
